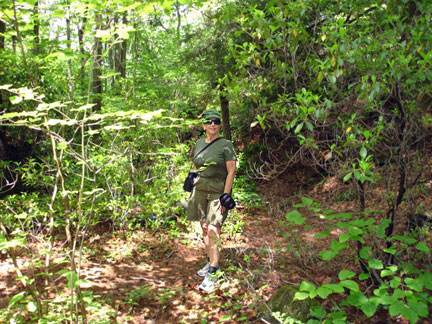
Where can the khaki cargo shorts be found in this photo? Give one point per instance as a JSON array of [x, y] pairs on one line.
[[204, 204]]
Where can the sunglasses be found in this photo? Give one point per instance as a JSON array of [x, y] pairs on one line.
[[216, 121]]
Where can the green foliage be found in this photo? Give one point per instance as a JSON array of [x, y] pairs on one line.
[[327, 83], [135, 295], [404, 288], [233, 225]]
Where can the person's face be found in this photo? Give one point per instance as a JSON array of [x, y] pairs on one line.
[[212, 125]]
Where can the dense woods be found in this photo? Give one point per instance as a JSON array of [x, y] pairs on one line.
[[100, 104]]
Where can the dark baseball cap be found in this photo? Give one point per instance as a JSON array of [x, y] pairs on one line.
[[211, 113]]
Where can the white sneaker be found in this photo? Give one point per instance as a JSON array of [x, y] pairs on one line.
[[210, 282], [203, 271]]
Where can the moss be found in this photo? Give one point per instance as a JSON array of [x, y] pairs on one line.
[[283, 301]]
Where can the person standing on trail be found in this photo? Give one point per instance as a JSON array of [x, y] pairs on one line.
[[211, 197]]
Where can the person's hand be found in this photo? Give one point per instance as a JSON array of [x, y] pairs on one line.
[[227, 201]]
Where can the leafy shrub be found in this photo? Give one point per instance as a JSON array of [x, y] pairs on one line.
[[402, 289]]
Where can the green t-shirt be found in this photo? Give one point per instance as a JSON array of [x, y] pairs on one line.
[[211, 163]]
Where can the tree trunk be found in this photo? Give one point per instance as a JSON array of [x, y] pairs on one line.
[[81, 36], [2, 32], [97, 82], [14, 41], [2, 47], [123, 49], [225, 116], [177, 5], [402, 166], [36, 29], [111, 62], [226, 125], [21, 44]]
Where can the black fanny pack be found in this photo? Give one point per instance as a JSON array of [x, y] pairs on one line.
[[189, 181]]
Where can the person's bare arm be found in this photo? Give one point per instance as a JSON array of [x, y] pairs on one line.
[[231, 168]]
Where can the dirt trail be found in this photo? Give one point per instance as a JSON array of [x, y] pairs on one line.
[[149, 276]]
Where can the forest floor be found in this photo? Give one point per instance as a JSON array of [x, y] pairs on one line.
[[148, 275]]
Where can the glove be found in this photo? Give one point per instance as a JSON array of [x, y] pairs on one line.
[[227, 201]]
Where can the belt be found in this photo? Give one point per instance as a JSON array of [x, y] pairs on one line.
[[211, 177]]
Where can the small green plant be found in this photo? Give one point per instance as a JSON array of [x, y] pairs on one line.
[[284, 319], [245, 192], [402, 289], [168, 295], [135, 295], [233, 225]]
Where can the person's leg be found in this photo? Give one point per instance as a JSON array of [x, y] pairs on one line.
[[204, 227], [214, 247], [211, 239], [214, 220]]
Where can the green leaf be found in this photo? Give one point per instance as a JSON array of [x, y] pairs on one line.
[[363, 152], [16, 298], [327, 255], [313, 321], [357, 175], [390, 251], [324, 292], [301, 295], [420, 308], [318, 312], [332, 78], [387, 299], [309, 126], [415, 284], [399, 293], [354, 230], [337, 288], [225, 318], [295, 216], [344, 237], [375, 264], [410, 240], [357, 298], [421, 246], [381, 231], [395, 282], [350, 284], [347, 177], [364, 252], [396, 308], [306, 201], [15, 99], [427, 279], [386, 273], [346, 274], [298, 128], [337, 246], [307, 286], [62, 145], [322, 234], [369, 309], [411, 315]]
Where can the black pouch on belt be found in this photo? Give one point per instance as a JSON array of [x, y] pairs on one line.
[[189, 181]]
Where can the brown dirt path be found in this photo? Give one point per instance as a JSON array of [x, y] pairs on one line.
[[149, 276]]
